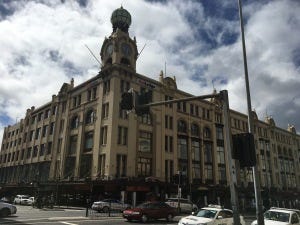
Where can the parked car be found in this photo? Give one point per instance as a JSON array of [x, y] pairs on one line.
[[281, 216], [31, 201], [22, 200], [7, 209], [211, 215], [150, 210], [186, 206], [110, 205]]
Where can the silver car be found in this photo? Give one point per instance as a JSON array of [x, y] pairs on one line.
[[107, 205], [186, 206]]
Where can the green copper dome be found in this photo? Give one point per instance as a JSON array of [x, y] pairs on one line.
[[121, 19]]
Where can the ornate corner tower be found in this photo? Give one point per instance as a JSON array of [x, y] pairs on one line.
[[119, 48]]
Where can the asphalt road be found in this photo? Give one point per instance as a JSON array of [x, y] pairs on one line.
[[26, 215]]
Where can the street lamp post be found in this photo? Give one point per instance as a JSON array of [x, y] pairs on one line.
[[259, 214]]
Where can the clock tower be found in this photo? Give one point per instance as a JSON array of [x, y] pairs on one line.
[[119, 48]]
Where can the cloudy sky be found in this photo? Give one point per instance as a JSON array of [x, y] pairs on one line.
[[42, 45]]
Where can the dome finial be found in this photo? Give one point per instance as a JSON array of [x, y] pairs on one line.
[[121, 19]]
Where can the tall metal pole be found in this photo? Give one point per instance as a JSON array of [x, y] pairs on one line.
[[258, 202], [230, 161]]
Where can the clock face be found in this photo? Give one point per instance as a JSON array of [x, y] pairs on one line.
[[109, 49], [126, 49]]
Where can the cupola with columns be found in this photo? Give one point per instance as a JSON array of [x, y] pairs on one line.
[[119, 47]]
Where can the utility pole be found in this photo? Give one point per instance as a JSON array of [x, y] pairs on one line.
[[259, 213], [230, 161]]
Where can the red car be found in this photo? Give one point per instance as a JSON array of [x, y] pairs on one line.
[[150, 210]]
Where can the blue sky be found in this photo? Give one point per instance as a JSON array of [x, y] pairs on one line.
[[43, 46]]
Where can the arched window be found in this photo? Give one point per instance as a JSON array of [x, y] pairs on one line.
[[195, 131], [75, 122], [90, 117], [206, 132], [181, 126]]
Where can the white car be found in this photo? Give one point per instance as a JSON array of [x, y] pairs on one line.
[[7, 209], [107, 205], [22, 200], [281, 216], [211, 215], [185, 205]]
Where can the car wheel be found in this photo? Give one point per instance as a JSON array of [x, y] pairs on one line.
[[144, 218], [4, 212], [169, 217], [105, 209]]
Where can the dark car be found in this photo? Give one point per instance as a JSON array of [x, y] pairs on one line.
[[150, 210]]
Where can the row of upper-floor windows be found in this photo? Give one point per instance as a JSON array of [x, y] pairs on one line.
[[36, 134], [30, 152]]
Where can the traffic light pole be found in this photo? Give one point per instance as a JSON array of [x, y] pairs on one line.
[[230, 160], [223, 96]]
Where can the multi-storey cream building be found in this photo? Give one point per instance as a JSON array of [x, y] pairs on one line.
[[82, 142]]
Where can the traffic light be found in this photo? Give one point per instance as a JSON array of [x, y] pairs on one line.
[[142, 99], [243, 149], [127, 101]]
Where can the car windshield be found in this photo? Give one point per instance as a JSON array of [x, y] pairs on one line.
[[277, 216], [144, 205], [207, 213]]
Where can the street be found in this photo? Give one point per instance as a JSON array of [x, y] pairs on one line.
[[27, 215]]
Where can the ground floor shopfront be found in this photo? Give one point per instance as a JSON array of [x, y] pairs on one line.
[[135, 191]]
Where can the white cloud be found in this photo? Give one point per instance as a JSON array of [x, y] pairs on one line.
[[39, 40]]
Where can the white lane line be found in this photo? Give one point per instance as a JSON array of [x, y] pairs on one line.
[[68, 223]]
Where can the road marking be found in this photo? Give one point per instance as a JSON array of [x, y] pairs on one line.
[[68, 223]]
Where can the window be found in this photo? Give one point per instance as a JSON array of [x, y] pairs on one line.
[[76, 101], [51, 128], [73, 145], [31, 135], [121, 165], [182, 148], [167, 98], [196, 172], [106, 87], [168, 122], [145, 119], [88, 141], [85, 165], [220, 155], [90, 117], [122, 135], [124, 86], [105, 110], [42, 149], [219, 131], [47, 113], [28, 155], [206, 132], [40, 115], [75, 122], [103, 136], [54, 110], [222, 172], [168, 143], [195, 131], [91, 94], [49, 148], [35, 151], [207, 152], [208, 172], [182, 127], [44, 132], [145, 141], [195, 150], [144, 166]]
